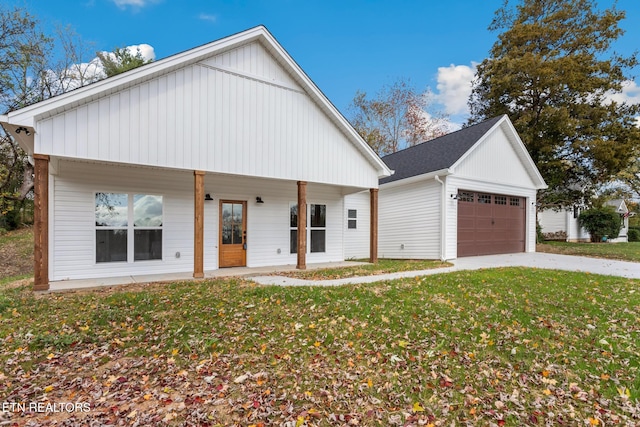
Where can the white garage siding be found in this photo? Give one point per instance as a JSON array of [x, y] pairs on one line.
[[409, 220], [72, 235]]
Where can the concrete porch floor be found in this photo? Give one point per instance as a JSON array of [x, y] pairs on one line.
[[67, 285]]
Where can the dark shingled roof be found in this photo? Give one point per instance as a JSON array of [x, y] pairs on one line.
[[437, 154]]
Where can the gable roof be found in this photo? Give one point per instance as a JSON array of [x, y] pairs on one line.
[[436, 154], [445, 153], [619, 205], [30, 115]]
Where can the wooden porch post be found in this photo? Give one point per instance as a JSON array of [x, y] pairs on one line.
[[302, 225], [41, 222], [373, 227], [198, 224]]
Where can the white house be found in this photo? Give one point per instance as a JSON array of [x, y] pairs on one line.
[[563, 224], [224, 155], [471, 192]]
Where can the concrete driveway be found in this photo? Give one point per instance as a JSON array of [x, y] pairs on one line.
[[535, 260]]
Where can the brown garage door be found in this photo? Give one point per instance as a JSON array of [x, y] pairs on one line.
[[490, 224]]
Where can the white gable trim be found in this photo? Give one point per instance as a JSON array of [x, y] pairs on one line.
[[28, 116], [518, 145]]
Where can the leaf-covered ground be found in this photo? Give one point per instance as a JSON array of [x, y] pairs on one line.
[[629, 251], [493, 347]]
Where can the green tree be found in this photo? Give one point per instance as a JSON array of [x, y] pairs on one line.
[[396, 117], [601, 222], [552, 70], [121, 60]]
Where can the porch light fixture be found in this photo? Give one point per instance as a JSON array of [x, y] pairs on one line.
[[23, 129], [454, 196], [208, 197], [259, 199]]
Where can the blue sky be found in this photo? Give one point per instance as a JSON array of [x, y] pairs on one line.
[[344, 46]]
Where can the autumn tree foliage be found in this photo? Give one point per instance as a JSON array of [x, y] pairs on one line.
[[553, 71], [396, 117]]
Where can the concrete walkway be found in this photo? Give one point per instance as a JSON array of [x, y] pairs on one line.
[[534, 260]]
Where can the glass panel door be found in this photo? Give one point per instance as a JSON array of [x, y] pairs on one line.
[[233, 234]]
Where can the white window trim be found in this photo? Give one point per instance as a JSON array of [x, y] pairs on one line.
[[309, 228], [130, 229]]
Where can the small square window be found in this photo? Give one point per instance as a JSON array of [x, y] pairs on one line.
[[352, 215], [484, 198], [465, 196], [514, 201], [500, 200]]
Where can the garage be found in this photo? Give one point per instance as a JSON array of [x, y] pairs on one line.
[[490, 223], [470, 192]]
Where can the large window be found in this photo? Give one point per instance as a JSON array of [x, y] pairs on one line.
[[117, 236], [317, 228]]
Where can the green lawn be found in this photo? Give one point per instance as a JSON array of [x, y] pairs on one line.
[[621, 251], [493, 347]]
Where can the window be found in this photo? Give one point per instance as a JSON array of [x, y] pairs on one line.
[[147, 223], [484, 198], [293, 228], [318, 228], [514, 201], [352, 218], [112, 220], [317, 222], [465, 196], [115, 231], [500, 200]]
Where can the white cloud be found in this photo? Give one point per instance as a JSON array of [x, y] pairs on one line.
[[208, 17], [122, 4], [454, 87], [630, 93], [147, 51]]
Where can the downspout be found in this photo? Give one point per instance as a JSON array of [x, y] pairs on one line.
[[443, 223]]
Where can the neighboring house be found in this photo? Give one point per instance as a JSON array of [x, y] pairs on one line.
[[224, 155], [563, 224], [471, 192]]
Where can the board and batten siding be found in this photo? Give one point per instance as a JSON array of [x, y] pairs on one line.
[[409, 220], [356, 241], [454, 183], [238, 113], [72, 234], [495, 160]]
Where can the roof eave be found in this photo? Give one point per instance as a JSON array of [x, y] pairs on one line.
[[417, 178]]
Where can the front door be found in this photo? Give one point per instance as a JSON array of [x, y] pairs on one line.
[[233, 233]]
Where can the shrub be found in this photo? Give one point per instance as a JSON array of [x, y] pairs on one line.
[[634, 234], [600, 222]]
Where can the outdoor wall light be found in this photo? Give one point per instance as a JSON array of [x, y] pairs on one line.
[[259, 199], [208, 197], [23, 129], [454, 196]]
